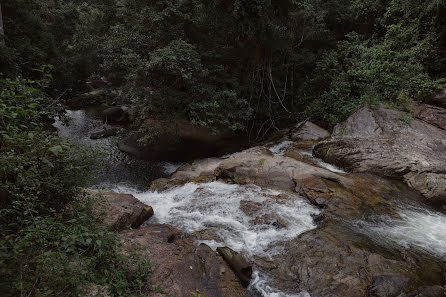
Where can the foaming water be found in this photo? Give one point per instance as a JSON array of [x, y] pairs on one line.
[[246, 218], [323, 164], [260, 284], [280, 148], [416, 227]]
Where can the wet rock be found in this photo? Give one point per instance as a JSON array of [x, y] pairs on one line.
[[121, 211], [104, 133], [391, 143], [114, 114], [306, 130], [179, 268], [238, 264], [387, 286]]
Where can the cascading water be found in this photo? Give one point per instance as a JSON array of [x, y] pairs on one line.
[[280, 149], [248, 219], [417, 227]]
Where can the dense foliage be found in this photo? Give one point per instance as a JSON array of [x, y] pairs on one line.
[[50, 243], [235, 64]]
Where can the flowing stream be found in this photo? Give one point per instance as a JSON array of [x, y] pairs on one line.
[[246, 218], [418, 227], [114, 168]]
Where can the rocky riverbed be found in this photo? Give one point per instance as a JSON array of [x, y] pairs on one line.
[[367, 219]]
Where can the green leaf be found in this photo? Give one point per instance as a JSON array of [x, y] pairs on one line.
[[56, 149]]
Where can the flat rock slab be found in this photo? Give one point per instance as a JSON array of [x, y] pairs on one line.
[[179, 268], [121, 211]]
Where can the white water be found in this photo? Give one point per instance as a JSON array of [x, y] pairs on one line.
[[216, 206], [260, 284], [417, 227], [323, 164], [280, 148]]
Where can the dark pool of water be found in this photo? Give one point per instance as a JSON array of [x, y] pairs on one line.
[[115, 167]]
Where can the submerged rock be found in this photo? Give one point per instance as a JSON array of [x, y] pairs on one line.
[[393, 144], [179, 268], [104, 133], [121, 211]]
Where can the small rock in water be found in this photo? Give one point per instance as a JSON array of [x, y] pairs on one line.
[[238, 263], [104, 133]]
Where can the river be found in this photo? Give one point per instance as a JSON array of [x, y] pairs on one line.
[[216, 206]]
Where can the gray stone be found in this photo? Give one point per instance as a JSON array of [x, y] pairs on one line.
[[391, 143], [306, 130], [121, 211]]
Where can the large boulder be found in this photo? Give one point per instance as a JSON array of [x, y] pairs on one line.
[[179, 268], [391, 143], [121, 211], [305, 131], [115, 114]]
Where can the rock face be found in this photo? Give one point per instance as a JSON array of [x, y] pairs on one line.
[[306, 130], [393, 144], [121, 210], [181, 269]]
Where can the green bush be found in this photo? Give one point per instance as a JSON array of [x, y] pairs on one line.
[[50, 242]]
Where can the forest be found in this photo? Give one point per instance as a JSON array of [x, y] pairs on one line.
[[251, 67]]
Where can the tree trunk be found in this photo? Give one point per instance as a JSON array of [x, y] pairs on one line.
[[2, 31]]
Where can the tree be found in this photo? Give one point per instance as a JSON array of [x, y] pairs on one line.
[[2, 30]]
